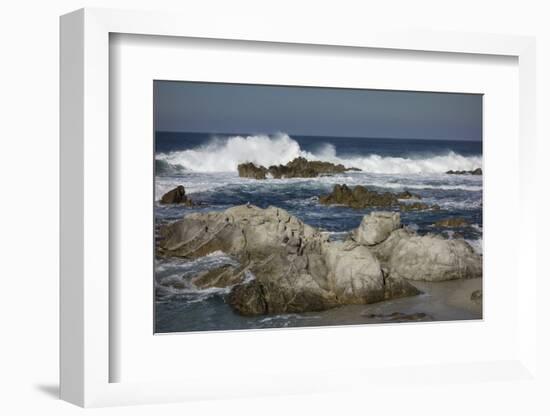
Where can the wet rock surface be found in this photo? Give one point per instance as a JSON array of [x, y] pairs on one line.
[[224, 276], [358, 197], [176, 196], [252, 171], [400, 317]]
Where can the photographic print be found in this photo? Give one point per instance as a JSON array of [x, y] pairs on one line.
[[290, 206]]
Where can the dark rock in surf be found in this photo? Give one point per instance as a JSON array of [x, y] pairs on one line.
[[297, 168], [248, 299], [250, 170], [303, 168], [358, 197], [176, 196], [407, 195], [477, 171]]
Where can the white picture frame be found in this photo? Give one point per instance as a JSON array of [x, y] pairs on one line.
[[85, 211]]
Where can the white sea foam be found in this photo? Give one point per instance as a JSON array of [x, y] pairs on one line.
[[174, 276], [224, 155], [461, 187]]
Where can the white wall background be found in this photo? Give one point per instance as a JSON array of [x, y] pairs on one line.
[[29, 206]]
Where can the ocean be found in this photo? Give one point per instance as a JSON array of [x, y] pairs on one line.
[[206, 165]]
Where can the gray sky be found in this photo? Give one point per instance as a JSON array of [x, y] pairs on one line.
[[239, 108]]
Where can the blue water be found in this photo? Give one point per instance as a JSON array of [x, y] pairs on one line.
[[173, 141], [206, 166]]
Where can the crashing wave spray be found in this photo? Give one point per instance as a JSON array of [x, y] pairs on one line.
[[224, 155]]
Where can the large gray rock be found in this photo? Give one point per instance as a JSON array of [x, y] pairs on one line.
[[376, 227], [384, 250], [244, 231], [283, 284], [354, 272], [294, 267], [431, 258]]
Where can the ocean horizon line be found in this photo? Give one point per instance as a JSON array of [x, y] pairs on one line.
[[315, 136]]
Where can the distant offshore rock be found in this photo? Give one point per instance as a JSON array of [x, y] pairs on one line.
[[298, 168], [250, 170], [360, 197], [477, 171], [176, 196]]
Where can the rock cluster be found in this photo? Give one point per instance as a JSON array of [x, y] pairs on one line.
[[297, 168], [295, 267], [286, 266], [477, 171]]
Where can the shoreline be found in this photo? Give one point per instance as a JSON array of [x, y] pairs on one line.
[[438, 303]]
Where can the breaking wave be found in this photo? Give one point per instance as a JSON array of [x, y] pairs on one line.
[[224, 155]]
